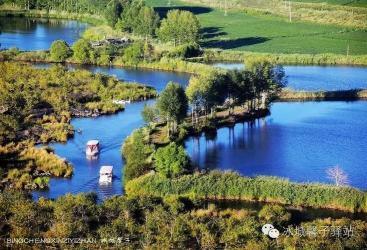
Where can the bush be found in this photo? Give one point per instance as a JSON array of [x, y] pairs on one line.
[[274, 214], [137, 152], [171, 161], [133, 54], [81, 51], [187, 51], [59, 51]]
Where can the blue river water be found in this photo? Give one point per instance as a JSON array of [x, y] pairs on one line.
[[299, 140], [37, 33], [317, 77]]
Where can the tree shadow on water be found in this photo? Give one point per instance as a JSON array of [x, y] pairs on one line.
[[211, 32], [234, 43], [196, 10]]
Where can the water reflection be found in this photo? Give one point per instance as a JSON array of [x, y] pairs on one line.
[[298, 141], [111, 131], [28, 33]]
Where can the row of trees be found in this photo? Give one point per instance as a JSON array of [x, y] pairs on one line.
[[75, 6], [254, 89], [179, 27], [171, 222], [134, 16]]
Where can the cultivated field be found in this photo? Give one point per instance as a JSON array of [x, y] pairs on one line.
[[258, 32]]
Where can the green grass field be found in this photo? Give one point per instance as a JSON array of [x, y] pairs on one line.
[[354, 3], [266, 33]]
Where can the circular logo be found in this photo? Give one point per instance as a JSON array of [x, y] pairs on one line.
[[266, 228], [273, 233]]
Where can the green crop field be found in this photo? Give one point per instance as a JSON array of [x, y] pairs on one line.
[[266, 33]]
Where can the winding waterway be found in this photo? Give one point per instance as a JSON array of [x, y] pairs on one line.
[[111, 131], [298, 140]]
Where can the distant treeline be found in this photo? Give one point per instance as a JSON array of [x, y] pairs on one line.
[[336, 95], [316, 59], [75, 6]]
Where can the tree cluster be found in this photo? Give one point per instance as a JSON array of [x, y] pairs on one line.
[[174, 222], [254, 87], [74, 6]]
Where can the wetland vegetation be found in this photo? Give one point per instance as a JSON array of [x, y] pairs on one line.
[[166, 196]]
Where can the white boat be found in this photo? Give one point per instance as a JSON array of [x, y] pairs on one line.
[[121, 102], [92, 148], [105, 174]]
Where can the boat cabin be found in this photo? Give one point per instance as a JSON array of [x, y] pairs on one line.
[[105, 174], [92, 148]]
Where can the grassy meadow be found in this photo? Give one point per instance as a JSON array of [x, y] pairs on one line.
[[354, 3], [267, 33]]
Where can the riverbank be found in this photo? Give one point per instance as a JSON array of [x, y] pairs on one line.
[[5, 11], [213, 55], [232, 186], [165, 64], [337, 95], [27, 167]]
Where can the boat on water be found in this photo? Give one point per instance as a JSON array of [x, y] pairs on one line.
[[105, 174], [121, 102], [92, 148]]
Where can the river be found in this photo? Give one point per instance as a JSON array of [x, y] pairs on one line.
[[298, 140], [316, 77]]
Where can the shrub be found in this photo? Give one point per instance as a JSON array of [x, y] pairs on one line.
[[136, 152], [81, 51], [171, 161], [59, 51]]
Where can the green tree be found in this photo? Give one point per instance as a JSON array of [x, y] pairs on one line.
[[179, 27], [171, 161], [130, 16], [136, 152], [149, 114], [207, 91], [133, 54], [113, 11], [81, 50], [148, 22], [172, 105], [269, 79], [59, 51]]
